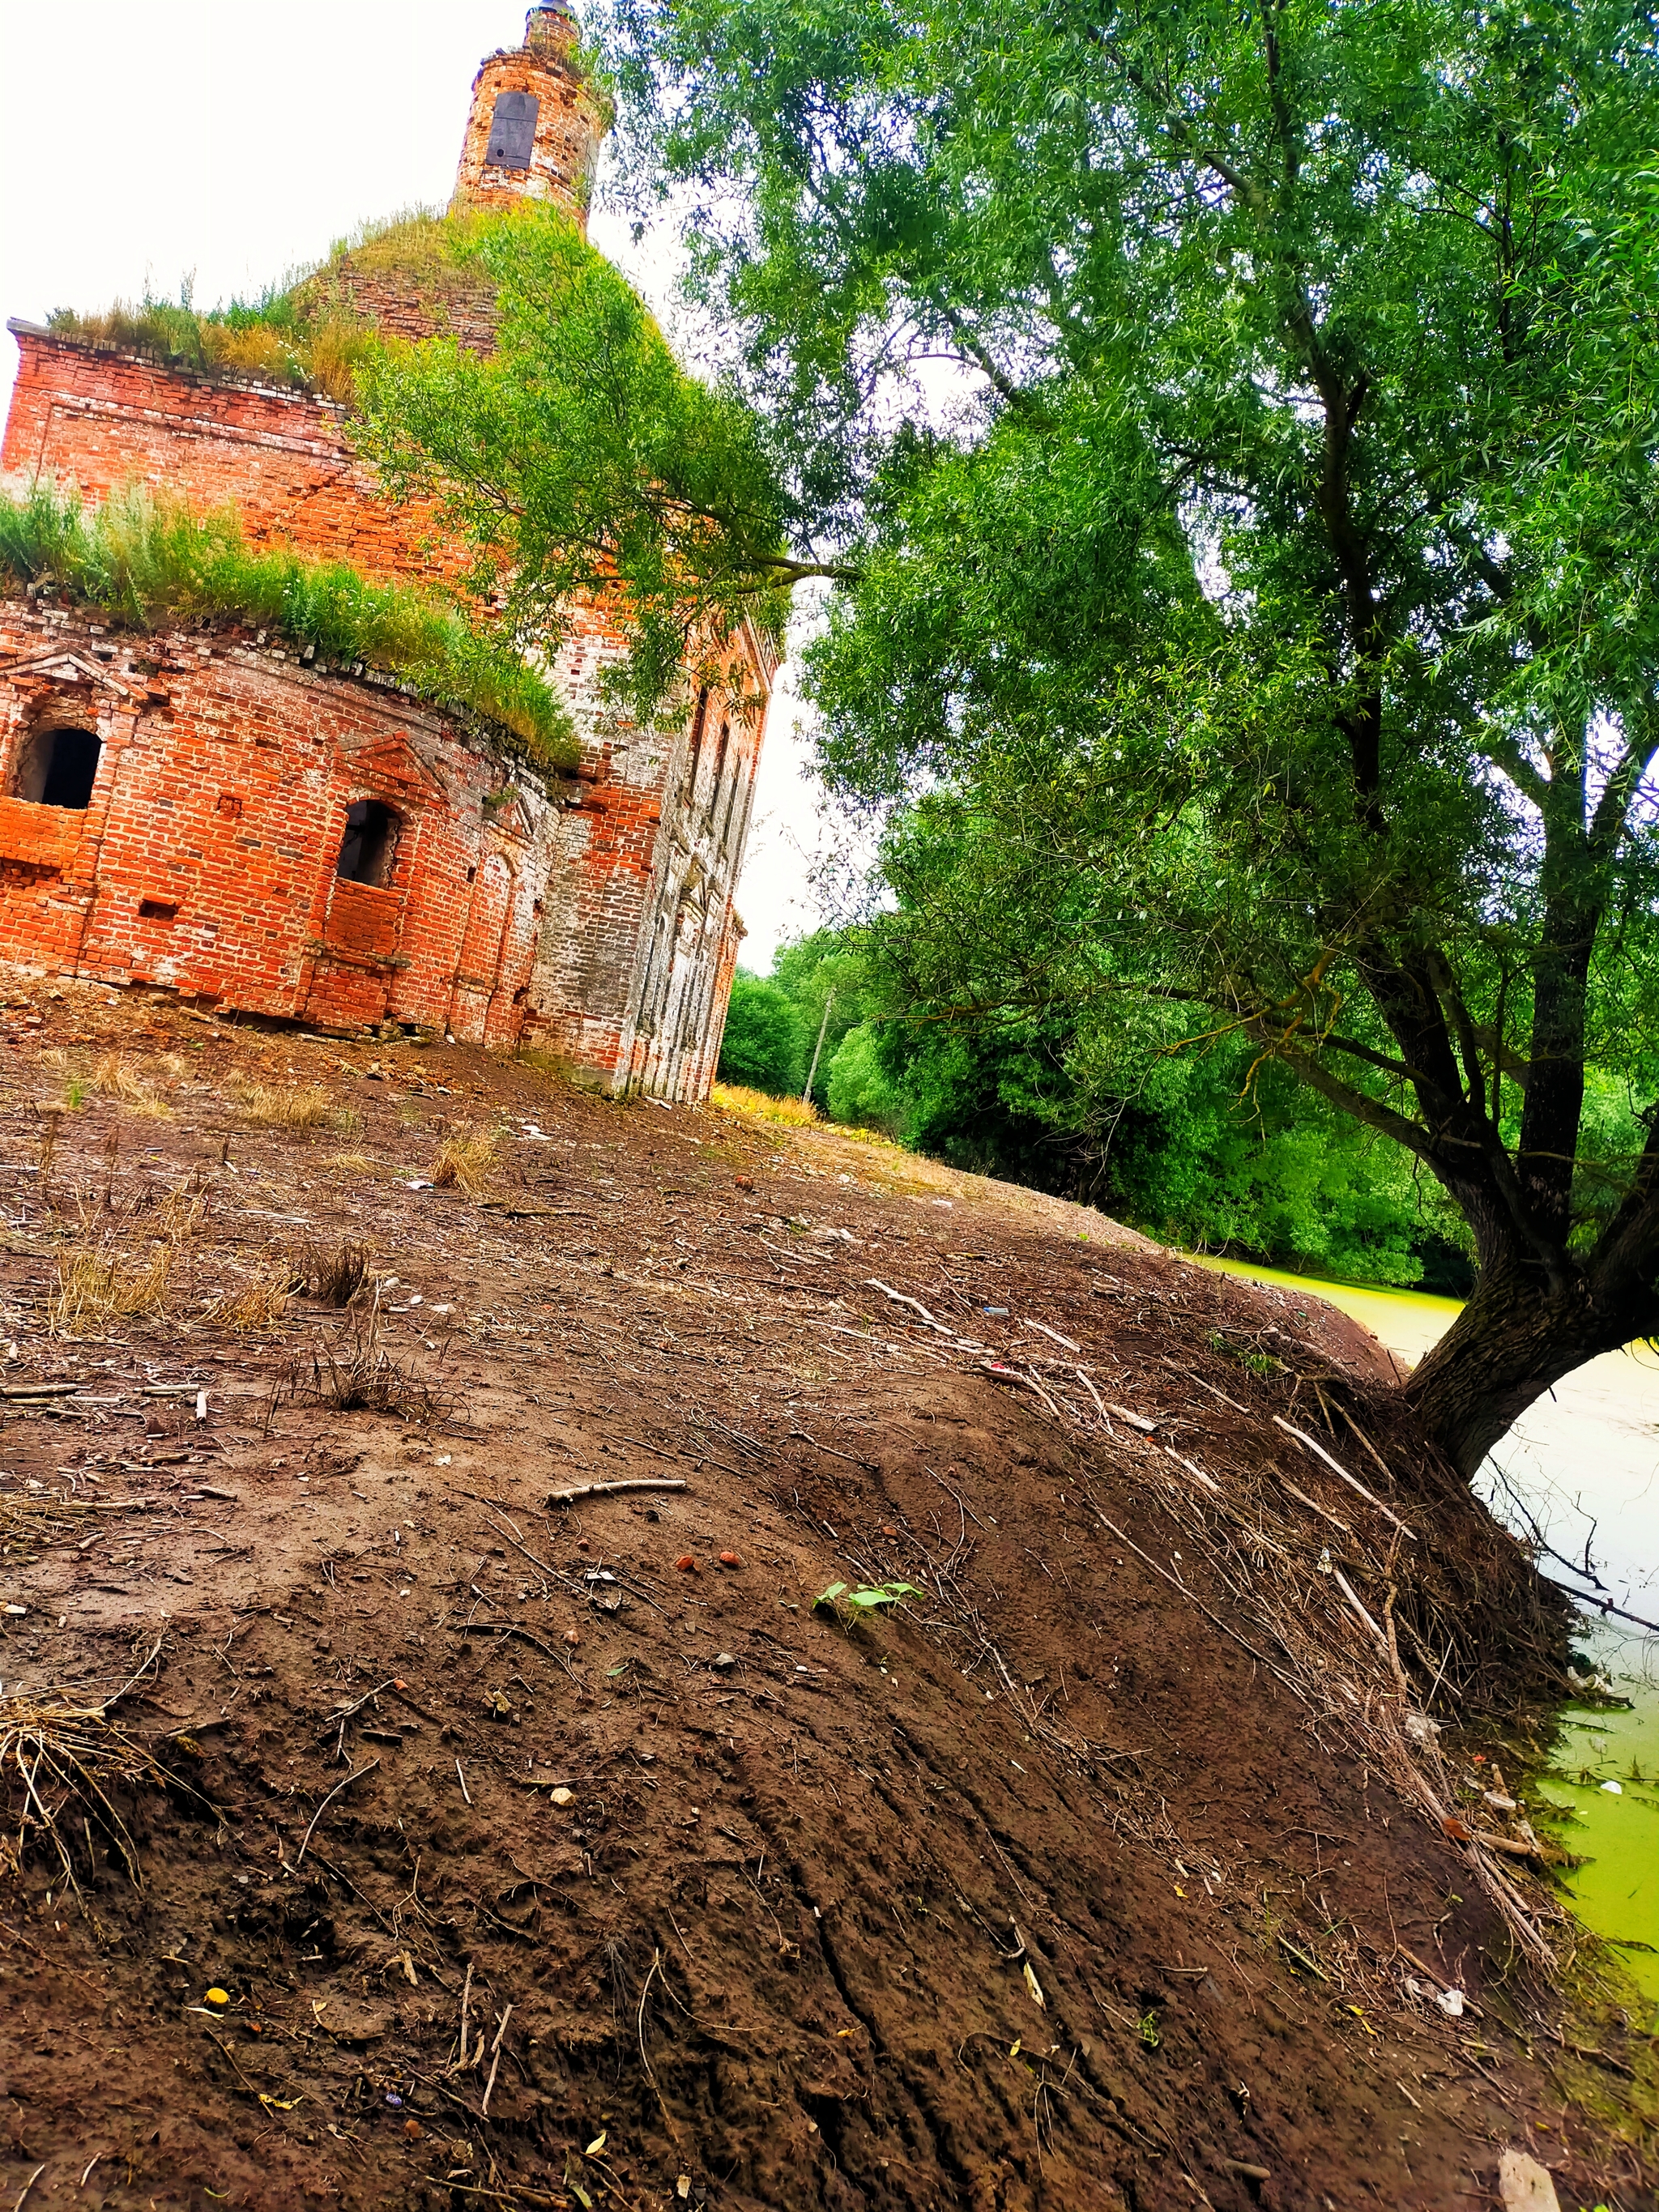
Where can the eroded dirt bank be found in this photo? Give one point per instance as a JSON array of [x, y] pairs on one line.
[[1108, 1870]]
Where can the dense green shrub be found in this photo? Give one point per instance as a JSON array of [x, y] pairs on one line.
[[764, 1046]]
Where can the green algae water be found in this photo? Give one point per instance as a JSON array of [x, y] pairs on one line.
[[1580, 1471], [1617, 1888]]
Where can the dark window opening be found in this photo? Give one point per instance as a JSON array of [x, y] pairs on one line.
[[60, 770], [150, 909], [370, 843], [512, 131]]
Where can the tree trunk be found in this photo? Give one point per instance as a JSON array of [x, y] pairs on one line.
[[1515, 1337]]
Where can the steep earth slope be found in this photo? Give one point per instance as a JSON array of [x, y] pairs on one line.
[[388, 1835]]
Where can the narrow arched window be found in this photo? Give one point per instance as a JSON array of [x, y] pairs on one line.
[[59, 770], [370, 844]]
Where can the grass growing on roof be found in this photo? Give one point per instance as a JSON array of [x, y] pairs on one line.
[[147, 565], [275, 340], [303, 332]]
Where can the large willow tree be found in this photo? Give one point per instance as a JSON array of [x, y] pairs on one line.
[[1268, 644]]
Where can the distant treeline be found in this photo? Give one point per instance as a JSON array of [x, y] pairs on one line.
[[1209, 1151]]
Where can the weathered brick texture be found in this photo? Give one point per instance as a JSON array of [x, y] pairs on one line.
[[592, 915], [568, 123], [206, 860]]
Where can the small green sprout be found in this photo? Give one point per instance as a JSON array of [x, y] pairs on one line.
[[839, 1598]]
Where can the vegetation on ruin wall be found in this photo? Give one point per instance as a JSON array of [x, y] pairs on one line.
[[302, 332], [579, 463], [149, 566], [583, 466]]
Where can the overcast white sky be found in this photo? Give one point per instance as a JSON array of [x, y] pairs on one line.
[[154, 143]]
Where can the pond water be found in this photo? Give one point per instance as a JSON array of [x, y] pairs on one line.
[[1579, 1472]]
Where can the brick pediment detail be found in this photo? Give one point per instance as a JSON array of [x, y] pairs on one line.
[[393, 767], [511, 822], [68, 666]]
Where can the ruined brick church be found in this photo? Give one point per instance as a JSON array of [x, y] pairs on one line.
[[205, 812]]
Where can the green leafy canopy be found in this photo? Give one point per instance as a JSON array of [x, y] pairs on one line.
[[582, 463], [1269, 634]]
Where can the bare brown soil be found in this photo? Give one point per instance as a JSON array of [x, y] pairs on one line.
[[1095, 1875]]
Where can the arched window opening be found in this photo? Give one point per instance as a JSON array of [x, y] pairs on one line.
[[59, 770], [370, 844]]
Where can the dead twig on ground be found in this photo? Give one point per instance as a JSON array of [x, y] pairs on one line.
[[613, 1489], [356, 1775]]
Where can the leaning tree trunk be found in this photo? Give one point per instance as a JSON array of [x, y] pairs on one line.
[[1518, 1334]]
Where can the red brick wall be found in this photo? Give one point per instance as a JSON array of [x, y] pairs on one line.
[[646, 856], [220, 802], [99, 420], [569, 124]]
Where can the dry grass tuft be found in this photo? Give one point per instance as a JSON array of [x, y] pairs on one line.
[[179, 1214], [334, 1273], [355, 1373], [288, 1106], [463, 1159], [112, 1077], [35, 1516], [737, 1098], [255, 1306], [95, 1286], [67, 1760]]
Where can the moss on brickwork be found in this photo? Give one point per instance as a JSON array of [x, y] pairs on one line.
[[149, 566]]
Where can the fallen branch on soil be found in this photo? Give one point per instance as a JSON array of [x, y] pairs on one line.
[[504, 1628], [494, 2061], [345, 1784], [1337, 1469], [899, 1299], [613, 1489]]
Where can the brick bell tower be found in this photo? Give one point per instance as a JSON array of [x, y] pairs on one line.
[[535, 124]]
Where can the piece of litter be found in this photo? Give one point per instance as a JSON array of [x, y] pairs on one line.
[[218, 1996], [1612, 1788], [1451, 2002], [563, 1796], [1524, 2185]]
